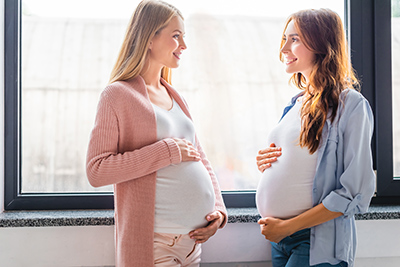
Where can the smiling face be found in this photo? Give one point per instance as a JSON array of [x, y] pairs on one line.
[[167, 45], [297, 57]]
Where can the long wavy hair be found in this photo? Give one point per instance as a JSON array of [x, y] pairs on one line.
[[149, 18], [322, 33]]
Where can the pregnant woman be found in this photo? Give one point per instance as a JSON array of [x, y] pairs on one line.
[[317, 172], [167, 198]]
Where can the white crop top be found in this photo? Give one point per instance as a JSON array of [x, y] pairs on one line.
[[184, 192], [285, 189]]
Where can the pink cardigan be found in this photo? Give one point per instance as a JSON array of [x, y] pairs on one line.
[[124, 151]]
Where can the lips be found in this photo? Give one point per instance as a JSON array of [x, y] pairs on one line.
[[289, 61], [177, 55]]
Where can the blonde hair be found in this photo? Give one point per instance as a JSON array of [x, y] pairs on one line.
[[322, 32], [149, 18]]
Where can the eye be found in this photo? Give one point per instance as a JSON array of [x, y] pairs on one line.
[[294, 39], [176, 36]]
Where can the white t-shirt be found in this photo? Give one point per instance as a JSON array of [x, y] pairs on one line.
[[184, 192], [285, 189]]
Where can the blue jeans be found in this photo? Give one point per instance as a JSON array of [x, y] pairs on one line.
[[294, 251]]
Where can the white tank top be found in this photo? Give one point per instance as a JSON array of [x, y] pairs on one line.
[[285, 189], [184, 192]]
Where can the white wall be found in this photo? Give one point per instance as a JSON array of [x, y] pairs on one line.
[[379, 245]]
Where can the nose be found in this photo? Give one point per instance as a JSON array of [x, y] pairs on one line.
[[285, 48], [182, 44]]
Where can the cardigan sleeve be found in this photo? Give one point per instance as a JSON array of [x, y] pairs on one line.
[[105, 165], [358, 179], [219, 202]]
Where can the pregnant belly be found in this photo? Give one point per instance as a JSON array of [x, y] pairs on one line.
[[284, 192], [184, 195]]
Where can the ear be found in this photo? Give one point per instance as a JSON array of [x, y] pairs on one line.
[[151, 45]]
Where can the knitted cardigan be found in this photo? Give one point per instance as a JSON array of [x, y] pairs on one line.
[[124, 151]]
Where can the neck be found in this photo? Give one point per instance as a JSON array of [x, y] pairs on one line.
[[152, 75]]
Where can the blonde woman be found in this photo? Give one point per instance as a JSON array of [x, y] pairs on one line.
[[318, 171], [167, 198]]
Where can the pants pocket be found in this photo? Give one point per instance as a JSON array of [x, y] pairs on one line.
[[165, 239]]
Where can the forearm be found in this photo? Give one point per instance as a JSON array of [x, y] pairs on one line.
[[104, 168], [312, 217]]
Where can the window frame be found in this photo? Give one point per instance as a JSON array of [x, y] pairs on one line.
[[367, 22], [13, 198], [371, 53]]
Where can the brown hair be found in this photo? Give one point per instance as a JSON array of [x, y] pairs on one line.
[[322, 33], [149, 18]]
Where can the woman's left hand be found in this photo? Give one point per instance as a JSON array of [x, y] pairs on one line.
[[274, 229], [215, 220]]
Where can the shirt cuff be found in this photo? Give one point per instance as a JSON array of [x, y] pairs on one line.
[[337, 203]]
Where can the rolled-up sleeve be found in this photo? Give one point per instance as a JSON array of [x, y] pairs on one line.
[[357, 182]]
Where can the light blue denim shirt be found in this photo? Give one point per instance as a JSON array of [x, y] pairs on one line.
[[344, 180]]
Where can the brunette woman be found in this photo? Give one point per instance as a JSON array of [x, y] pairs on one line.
[[317, 173]]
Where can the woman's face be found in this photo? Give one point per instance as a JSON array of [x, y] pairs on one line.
[[166, 47], [297, 57]]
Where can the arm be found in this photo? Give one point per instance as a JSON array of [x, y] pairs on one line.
[[107, 165], [357, 181], [276, 229]]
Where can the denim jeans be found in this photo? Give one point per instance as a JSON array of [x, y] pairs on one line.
[[294, 251]]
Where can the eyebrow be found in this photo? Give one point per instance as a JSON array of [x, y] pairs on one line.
[[178, 31], [291, 35]]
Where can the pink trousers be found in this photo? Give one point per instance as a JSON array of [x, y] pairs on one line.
[[176, 250]]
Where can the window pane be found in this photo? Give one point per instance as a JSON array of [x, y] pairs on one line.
[[230, 75], [396, 85], [233, 80]]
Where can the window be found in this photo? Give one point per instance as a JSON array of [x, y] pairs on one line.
[[58, 62], [396, 86], [370, 40]]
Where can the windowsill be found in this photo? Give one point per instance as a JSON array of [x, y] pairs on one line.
[[106, 217]]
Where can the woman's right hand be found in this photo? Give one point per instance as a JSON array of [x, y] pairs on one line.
[[267, 156], [188, 152]]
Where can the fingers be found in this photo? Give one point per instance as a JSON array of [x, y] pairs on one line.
[[263, 153], [201, 235], [267, 156], [215, 215], [188, 151], [263, 220], [265, 164]]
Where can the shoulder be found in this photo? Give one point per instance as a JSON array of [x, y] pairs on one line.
[[123, 90], [350, 99], [352, 96], [354, 104]]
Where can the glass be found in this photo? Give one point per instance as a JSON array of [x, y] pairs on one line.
[[230, 75], [396, 85]]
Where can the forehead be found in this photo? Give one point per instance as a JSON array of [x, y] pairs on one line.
[[290, 29], [176, 23]]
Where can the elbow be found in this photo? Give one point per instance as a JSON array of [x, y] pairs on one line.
[[94, 175], [93, 180]]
